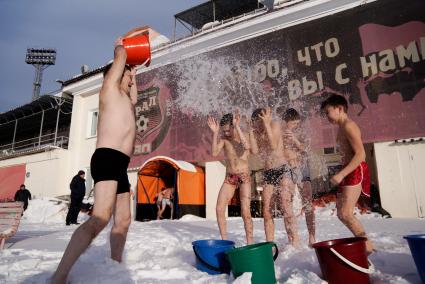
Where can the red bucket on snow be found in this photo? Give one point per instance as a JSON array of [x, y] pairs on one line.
[[138, 49], [344, 260]]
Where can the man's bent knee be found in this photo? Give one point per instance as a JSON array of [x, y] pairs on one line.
[[308, 207], [96, 225], [344, 215], [288, 215], [246, 214], [220, 209], [267, 215], [122, 224]]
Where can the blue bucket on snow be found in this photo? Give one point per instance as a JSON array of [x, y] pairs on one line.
[[210, 255], [417, 248]]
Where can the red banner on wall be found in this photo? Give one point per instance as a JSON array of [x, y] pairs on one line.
[[374, 55]]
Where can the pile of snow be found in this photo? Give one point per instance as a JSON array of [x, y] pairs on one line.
[[159, 40], [189, 217], [209, 25], [46, 211], [161, 251], [244, 278]]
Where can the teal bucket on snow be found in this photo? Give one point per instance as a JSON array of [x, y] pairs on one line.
[[417, 248], [210, 255]]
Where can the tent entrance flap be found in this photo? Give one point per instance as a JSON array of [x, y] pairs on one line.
[[187, 180]]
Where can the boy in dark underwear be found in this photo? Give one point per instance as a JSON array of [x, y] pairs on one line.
[[268, 144]]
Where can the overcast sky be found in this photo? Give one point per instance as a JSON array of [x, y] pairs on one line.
[[81, 31]]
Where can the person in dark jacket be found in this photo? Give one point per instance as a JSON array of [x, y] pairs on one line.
[[78, 190], [23, 195]]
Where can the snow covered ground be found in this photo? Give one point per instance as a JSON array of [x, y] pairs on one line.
[[161, 251]]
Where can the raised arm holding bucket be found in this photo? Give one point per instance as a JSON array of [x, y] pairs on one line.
[[116, 131]]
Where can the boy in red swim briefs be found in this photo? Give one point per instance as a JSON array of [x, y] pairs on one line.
[[353, 180], [228, 136]]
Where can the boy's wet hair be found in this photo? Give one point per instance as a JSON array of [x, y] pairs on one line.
[[334, 101], [290, 114], [226, 119], [256, 114], [108, 67]]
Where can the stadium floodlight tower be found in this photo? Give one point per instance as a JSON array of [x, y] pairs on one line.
[[40, 58]]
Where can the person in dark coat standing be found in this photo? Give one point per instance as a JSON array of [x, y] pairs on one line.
[[23, 195], [78, 190]]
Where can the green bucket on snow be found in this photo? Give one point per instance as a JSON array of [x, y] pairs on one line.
[[255, 258]]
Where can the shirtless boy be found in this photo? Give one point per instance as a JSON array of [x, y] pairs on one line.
[[165, 199], [268, 143], [295, 152], [354, 178], [236, 151], [115, 140]]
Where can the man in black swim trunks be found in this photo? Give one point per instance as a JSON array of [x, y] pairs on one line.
[[268, 144], [115, 141]]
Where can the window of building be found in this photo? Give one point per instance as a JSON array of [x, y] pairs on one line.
[[93, 119]]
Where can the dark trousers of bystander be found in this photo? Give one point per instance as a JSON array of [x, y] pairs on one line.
[[74, 209]]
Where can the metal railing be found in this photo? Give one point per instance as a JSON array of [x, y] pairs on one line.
[[214, 26], [278, 5], [33, 144]]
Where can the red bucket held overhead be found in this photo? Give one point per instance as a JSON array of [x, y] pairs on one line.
[[138, 49]]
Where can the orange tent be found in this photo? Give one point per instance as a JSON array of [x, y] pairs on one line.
[[160, 172]]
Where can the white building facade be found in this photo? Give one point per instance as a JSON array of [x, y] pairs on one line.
[[396, 166]]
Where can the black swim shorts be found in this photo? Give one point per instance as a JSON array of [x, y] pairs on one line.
[[274, 176], [110, 164]]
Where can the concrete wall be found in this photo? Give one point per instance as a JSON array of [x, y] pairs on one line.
[[46, 172], [81, 143], [214, 177], [400, 170], [49, 173], [371, 162]]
